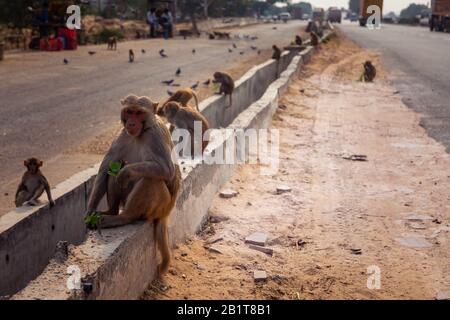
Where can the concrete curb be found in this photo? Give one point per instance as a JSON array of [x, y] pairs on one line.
[[120, 263]]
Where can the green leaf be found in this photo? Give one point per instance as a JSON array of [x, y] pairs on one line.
[[93, 220], [114, 168]]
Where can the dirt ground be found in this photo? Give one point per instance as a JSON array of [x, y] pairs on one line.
[[342, 218]]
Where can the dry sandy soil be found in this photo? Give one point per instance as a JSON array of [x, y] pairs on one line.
[[341, 216]]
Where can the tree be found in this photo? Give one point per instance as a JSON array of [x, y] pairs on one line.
[[412, 11], [15, 12]]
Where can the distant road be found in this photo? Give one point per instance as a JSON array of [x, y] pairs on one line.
[[48, 107], [419, 62]]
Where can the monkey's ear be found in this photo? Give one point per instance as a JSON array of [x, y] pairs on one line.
[[25, 163], [40, 163], [155, 107]]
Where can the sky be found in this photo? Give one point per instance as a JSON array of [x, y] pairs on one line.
[[389, 5]]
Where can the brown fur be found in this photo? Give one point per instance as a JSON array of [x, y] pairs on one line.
[[148, 185], [131, 56], [33, 185], [226, 84], [182, 96], [370, 71], [276, 53], [184, 118], [112, 43], [314, 39]]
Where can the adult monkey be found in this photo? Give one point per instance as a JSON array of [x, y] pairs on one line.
[[149, 182]]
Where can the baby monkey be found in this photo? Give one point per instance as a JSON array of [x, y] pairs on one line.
[[314, 39], [131, 56], [226, 84], [185, 118], [369, 71], [112, 43], [276, 53], [33, 184]]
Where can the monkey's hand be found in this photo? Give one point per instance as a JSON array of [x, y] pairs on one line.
[[123, 178]]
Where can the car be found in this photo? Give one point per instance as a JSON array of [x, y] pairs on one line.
[[353, 17], [285, 16]]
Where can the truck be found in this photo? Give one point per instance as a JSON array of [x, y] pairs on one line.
[[440, 15], [363, 5], [334, 15], [318, 14], [296, 13]]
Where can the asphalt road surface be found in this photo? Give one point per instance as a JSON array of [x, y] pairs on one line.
[[419, 64], [48, 106]]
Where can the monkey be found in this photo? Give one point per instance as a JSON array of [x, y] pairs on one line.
[[369, 71], [131, 56], [149, 183], [314, 39], [184, 118], [183, 96], [226, 84], [276, 53], [112, 43], [33, 184], [298, 40]]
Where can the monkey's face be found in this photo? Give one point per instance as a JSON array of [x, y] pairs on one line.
[[133, 120], [170, 109], [368, 64], [33, 164]]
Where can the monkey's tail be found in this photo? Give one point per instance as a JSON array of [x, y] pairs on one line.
[[162, 241], [196, 100]]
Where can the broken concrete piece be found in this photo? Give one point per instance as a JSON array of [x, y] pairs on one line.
[[213, 250], [418, 217], [228, 193], [283, 189], [259, 275], [214, 240], [268, 251], [218, 218], [443, 295], [257, 238], [413, 242]]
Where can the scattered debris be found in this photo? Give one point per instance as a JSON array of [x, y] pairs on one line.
[[62, 251], [418, 217], [282, 189], [356, 251], [282, 107], [413, 242], [184, 254], [443, 295], [437, 221], [213, 250], [173, 272], [228, 193], [259, 275], [268, 251], [300, 243], [218, 218], [257, 238], [214, 240], [356, 157]]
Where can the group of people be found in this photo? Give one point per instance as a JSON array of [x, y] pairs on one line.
[[160, 20]]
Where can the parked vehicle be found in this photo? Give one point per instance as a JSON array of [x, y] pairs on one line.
[[440, 15], [363, 5], [318, 14], [285, 16], [334, 15], [353, 17], [296, 13]]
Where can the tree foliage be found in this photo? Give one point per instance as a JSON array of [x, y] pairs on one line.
[[412, 11], [353, 5]]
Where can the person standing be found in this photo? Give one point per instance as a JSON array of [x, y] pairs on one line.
[[153, 22], [164, 21]]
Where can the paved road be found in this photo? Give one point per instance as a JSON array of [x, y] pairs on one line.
[[419, 62], [47, 107]]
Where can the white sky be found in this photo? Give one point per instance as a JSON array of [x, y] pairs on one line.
[[389, 5]]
